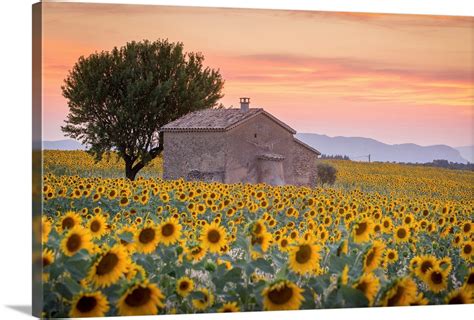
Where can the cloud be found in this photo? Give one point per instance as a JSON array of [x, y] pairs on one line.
[[348, 78]]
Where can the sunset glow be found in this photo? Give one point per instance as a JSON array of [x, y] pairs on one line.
[[394, 78]]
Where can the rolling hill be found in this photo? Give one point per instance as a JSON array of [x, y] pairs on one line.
[[358, 148]]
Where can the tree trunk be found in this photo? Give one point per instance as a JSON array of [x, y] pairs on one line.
[[129, 172]]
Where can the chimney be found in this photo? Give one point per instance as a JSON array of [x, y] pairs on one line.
[[244, 104]]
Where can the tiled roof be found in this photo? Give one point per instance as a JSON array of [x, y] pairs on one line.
[[307, 146], [217, 120]]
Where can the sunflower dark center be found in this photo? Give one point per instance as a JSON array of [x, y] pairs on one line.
[[167, 230], [46, 261], [467, 227], [67, 223], [401, 233], [386, 224], [362, 286], [391, 255], [437, 277], [303, 254], [396, 297], [457, 299], [213, 236], [147, 235], [258, 228], [184, 285], [284, 243], [196, 250], [95, 226], [370, 257], [467, 249], [86, 304], [470, 279], [425, 266], [257, 240], [138, 297], [361, 227], [107, 264], [73, 242], [280, 296]]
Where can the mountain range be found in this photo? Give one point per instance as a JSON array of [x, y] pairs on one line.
[[356, 148]]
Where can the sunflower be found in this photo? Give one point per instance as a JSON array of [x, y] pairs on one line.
[[48, 257], [362, 230], [130, 246], [263, 241], [436, 279], [76, 239], [391, 255], [184, 286], [146, 239], [445, 264], [135, 270], [424, 264], [469, 282], [213, 237], [69, 221], [258, 227], [467, 227], [282, 295], [419, 300], [111, 265], [402, 293], [229, 307], [141, 299], [368, 284], [205, 302], [466, 250], [373, 256], [304, 257], [195, 253], [97, 226], [283, 244], [45, 229], [169, 231], [401, 234], [460, 296], [89, 305]]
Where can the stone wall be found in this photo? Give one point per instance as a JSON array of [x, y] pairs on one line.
[[251, 139], [190, 154], [304, 166]]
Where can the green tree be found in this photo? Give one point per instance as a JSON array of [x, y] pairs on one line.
[[326, 174], [119, 100]]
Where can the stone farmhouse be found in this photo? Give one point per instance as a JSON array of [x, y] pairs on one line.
[[247, 145]]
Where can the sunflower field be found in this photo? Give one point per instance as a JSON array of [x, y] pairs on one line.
[[384, 235]]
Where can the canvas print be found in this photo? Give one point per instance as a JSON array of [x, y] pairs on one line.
[[197, 160]]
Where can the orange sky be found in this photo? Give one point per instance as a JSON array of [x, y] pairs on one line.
[[395, 78]]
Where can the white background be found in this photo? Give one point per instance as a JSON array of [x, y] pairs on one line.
[[15, 152]]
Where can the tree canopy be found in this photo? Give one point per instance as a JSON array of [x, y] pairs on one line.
[[118, 100]]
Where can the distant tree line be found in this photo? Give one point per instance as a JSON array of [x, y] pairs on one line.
[[444, 164], [334, 157]]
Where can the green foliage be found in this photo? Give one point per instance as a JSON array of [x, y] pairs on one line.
[[326, 174], [119, 100]]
